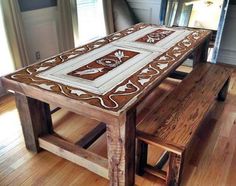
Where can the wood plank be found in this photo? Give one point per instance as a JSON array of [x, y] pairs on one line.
[[166, 107], [153, 140], [121, 149], [151, 102], [156, 172], [92, 136], [73, 153], [35, 120], [182, 124], [147, 181]]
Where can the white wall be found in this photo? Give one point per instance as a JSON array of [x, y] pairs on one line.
[[148, 11], [42, 35], [227, 53], [41, 32]]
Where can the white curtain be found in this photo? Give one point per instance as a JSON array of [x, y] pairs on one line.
[[13, 45], [15, 32], [6, 63], [67, 24], [108, 16]]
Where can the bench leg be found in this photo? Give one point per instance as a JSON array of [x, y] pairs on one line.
[[141, 159], [175, 169], [223, 92]]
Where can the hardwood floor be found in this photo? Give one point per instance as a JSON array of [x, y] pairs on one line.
[[213, 161]]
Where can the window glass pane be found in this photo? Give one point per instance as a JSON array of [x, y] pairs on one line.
[[90, 20]]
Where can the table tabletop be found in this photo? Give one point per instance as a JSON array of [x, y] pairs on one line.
[[113, 73]]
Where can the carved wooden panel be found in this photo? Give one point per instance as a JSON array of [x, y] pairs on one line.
[[103, 65], [115, 83], [155, 36]]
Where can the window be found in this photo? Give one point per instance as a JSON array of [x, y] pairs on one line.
[[91, 24]]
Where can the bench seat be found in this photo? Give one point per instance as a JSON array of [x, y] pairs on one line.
[[173, 123]]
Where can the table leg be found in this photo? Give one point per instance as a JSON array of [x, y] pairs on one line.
[[35, 120], [201, 53], [121, 150]]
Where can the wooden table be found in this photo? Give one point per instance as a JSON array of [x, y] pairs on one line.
[[104, 80]]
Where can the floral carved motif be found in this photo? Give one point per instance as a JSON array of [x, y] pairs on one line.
[[103, 65], [155, 36]]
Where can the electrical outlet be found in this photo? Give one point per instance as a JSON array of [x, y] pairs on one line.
[[37, 55]]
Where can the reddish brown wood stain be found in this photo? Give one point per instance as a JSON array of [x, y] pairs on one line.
[[156, 36], [27, 80], [105, 63]]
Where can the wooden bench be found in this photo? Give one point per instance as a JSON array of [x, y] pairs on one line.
[[174, 122]]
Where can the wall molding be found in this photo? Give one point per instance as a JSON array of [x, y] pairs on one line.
[[44, 13], [145, 1], [232, 12], [147, 11], [41, 32], [227, 56], [227, 52]]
